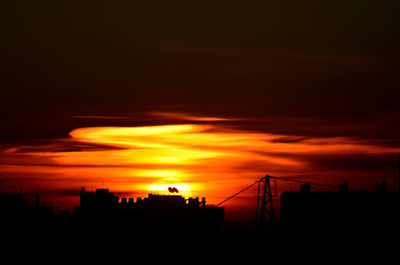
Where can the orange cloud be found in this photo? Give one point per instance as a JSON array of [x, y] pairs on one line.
[[207, 160]]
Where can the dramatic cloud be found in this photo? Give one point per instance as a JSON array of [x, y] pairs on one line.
[[211, 94], [208, 159]]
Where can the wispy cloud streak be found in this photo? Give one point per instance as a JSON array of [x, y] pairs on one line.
[[211, 159]]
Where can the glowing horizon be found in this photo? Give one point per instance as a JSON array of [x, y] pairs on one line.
[[203, 160]]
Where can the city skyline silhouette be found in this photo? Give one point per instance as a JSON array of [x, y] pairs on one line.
[[270, 110]]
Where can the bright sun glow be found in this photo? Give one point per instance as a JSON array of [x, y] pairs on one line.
[[164, 189], [197, 159]]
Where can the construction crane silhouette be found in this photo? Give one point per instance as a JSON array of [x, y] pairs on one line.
[[264, 202]]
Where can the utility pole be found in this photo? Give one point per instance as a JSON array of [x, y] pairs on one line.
[[266, 202]]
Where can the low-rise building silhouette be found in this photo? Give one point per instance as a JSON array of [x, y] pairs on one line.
[[18, 216], [155, 211], [342, 211]]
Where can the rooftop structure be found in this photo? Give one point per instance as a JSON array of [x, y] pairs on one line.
[[342, 211], [154, 211]]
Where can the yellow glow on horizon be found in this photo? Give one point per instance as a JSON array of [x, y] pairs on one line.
[[197, 152], [163, 189], [202, 160]]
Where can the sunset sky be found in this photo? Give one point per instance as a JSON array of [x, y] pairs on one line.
[[208, 96]]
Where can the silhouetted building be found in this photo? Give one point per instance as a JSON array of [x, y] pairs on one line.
[[343, 187], [381, 187], [155, 211], [13, 206], [342, 211], [306, 187], [398, 173], [18, 216]]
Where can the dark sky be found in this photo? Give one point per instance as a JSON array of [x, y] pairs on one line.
[[327, 68]]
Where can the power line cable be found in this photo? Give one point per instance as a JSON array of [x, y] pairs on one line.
[[234, 195], [284, 179]]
